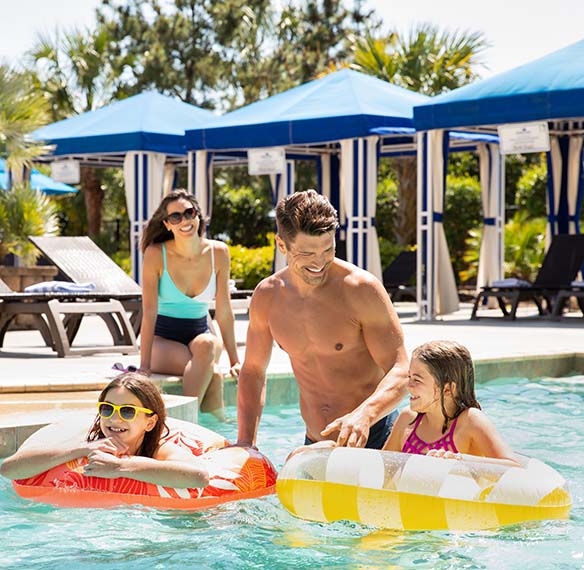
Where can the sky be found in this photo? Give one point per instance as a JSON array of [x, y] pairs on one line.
[[518, 31]]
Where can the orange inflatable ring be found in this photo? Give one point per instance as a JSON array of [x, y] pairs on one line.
[[235, 473]]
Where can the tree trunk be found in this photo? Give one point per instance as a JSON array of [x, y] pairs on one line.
[[93, 193], [405, 228]]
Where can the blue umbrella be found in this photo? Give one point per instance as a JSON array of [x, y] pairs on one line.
[[38, 181]]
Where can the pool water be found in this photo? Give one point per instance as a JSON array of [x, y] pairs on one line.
[[543, 418]]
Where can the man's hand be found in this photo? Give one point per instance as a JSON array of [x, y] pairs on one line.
[[353, 430], [325, 444]]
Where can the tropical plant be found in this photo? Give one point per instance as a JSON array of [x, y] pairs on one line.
[[25, 212], [21, 111], [428, 61], [73, 74], [531, 189], [250, 265], [524, 248]]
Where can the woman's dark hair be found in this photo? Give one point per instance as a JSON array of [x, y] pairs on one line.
[[156, 232], [450, 362], [149, 395]]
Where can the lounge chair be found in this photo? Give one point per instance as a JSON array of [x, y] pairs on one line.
[[560, 266], [57, 316], [398, 276], [80, 260], [576, 290]]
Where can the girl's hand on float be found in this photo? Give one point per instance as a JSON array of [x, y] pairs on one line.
[[109, 445], [325, 444], [443, 454], [103, 464]]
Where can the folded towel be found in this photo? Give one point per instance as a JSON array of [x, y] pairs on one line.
[[577, 283], [60, 287], [232, 287], [511, 282]]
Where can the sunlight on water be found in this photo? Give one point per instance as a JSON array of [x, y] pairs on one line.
[[544, 419]]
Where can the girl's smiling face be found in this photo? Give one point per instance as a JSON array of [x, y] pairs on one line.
[[424, 392], [131, 433]]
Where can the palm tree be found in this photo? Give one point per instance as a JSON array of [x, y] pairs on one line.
[[72, 73], [22, 110], [428, 61]]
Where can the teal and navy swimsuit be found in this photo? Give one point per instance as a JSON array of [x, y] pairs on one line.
[[182, 318]]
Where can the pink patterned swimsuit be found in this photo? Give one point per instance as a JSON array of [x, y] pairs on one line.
[[418, 446]]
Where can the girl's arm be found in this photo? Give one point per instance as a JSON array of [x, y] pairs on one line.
[[223, 309], [485, 439], [395, 441], [150, 277], [35, 457], [171, 467]]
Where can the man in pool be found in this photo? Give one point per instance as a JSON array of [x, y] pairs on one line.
[[337, 324]]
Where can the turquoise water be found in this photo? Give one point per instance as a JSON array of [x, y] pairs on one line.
[[544, 419]]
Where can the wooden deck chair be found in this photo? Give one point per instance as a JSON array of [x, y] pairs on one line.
[[398, 276], [560, 266], [57, 316], [80, 260]]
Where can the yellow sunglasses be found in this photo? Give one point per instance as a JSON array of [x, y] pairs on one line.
[[127, 412]]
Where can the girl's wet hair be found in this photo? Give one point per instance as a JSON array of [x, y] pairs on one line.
[[450, 362], [155, 230], [149, 395]]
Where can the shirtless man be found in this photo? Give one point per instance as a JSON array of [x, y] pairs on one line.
[[339, 328]]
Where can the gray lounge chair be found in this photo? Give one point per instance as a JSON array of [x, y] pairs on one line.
[[80, 260], [57, 316]]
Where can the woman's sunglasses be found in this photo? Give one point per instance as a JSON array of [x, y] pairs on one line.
[[126, 411], [177, 217]]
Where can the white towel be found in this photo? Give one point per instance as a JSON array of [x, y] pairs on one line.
[[60, 287], [577, 283], [511, 282]]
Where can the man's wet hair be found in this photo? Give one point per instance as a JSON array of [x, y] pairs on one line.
[[305, 212]]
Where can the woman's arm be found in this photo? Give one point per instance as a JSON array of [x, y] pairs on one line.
[[39, 456], [171, 467], [223, 309], [150, 277]]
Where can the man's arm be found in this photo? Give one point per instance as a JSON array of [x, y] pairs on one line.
[[383, 337], [252, 378]]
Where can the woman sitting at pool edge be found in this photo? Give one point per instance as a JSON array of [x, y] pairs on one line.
[[124, 441], [183, 272]]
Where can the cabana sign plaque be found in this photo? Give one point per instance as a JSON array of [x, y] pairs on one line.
[[66, 171], [269, 160], [519, 138]]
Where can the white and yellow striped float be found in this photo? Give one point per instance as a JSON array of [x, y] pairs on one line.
[[415, 492]]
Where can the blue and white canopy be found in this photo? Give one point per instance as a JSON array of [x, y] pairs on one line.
[[551, 87], [38, 181], [342, 105], [145, 122]]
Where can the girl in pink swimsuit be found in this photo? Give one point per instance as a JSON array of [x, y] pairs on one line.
[[444, 417]]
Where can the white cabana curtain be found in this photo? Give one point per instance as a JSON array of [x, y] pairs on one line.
[[492, 250], [359, 200], [168, 178], [202, 181], [566, 168], [437, 294], [143, 178], [325, 176], [282, 185]]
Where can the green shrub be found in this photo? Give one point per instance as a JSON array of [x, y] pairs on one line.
[[250, 265], [524, 246], [387, 207], [462, 213], [531, 190], [388, 251]]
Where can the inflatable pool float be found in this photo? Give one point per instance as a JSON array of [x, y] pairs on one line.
[[235, 473], [415, 492]]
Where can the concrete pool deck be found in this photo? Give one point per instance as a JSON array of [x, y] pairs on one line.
[[28, 366]]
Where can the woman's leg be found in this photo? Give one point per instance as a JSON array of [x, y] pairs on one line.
[[200, 372], [213, 401], [169, 356]]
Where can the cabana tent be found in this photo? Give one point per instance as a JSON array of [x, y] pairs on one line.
[[550, 89], [38, 181], [331, 120], [144, 134]]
